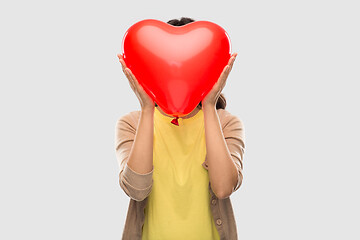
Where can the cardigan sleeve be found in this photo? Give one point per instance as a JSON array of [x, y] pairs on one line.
[[136, 185]]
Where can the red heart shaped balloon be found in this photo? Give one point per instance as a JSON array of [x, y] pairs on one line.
[[176, 65]]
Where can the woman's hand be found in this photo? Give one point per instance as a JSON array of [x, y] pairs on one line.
[[144, 99], [211, 98]]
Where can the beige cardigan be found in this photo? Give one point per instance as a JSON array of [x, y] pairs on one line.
[[138, 186]]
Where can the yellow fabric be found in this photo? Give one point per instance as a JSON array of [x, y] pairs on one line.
[[178, 206]]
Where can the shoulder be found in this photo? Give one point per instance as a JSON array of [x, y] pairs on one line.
[[130, 119], [227, 119], [222, 113]]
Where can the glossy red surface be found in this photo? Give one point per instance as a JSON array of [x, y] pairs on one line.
[[176, 65]]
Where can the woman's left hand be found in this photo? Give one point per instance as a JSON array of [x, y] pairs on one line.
[[212, 97]]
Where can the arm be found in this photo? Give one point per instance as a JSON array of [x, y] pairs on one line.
[[134, 152], [224, 152], [134, 147]]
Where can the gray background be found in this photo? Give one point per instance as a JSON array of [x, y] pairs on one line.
[[294, 84]]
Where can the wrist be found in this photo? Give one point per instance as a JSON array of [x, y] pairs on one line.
[[148, 109], [208, 107]]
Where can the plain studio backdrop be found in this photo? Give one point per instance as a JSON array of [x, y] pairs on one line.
[[295, 85]]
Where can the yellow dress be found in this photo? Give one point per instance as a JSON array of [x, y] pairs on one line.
[[178, 206]]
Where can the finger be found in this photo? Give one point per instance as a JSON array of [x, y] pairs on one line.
[[128, 76], [123, 64], [129, 79], [121, 60], [135, 81], [223, 76], [132, 76], [139, 89], [232, 63], [232, 59], [225, 72]]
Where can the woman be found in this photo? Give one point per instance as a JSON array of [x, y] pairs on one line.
[[179, 178]]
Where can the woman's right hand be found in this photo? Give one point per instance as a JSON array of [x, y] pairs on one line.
[[144, 99]]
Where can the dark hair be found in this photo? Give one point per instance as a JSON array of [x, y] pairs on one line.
[[221, 102]]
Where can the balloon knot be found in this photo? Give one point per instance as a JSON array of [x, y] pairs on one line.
[[175, 121]]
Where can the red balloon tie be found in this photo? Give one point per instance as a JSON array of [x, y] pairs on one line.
[[175, 121]]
